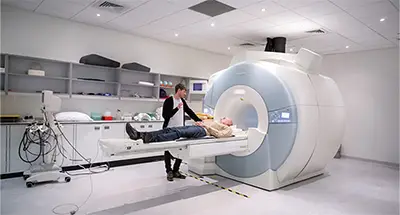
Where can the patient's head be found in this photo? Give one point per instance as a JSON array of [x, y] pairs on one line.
[[226, 121]]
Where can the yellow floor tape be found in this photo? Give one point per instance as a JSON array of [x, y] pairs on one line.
[[216, 185]]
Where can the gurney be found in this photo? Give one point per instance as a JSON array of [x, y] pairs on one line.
[[181, 148]]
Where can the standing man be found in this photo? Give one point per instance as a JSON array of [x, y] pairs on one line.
[[174, 110]]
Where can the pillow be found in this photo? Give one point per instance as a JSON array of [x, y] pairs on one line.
[[73, 116]]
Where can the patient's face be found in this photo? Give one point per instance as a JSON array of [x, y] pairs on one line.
[[226, 121]]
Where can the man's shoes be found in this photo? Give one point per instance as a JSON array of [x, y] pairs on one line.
[[146, 137], [170, 176], [132, 132], [179, 175]]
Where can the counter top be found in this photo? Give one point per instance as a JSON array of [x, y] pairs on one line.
[[85, 122]]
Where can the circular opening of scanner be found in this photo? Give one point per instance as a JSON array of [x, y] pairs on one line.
[[247, 110]]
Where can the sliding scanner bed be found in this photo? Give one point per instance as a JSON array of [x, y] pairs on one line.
[[182, 148]]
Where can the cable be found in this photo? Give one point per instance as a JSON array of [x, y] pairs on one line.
[[76, 208]]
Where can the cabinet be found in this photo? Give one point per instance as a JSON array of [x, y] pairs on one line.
[[3, 148], [113, 130], [15, 163], [68, 131], [87, 136]]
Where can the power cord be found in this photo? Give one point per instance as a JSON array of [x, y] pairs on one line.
[[76, 208]]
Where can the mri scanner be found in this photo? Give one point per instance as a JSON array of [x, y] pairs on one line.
[[292, 115]]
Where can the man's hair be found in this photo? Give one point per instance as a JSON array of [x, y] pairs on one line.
[[179, 87]]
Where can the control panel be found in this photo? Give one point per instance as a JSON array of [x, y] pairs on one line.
[[285, 115]]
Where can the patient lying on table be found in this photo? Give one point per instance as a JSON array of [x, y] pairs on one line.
[[200, 129]]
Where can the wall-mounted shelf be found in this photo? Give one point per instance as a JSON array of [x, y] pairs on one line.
[[140, 85], [62, 78], [97, 82], [35, 76]]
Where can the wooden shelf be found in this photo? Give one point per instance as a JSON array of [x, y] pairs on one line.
[[99, 82], [34, 76]]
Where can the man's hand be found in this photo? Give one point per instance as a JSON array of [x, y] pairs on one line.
[[199, 124], [180, 105]]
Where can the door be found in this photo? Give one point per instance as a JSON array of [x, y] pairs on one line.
[[67, 149], [87, 137], [3, 148], [113, 131]]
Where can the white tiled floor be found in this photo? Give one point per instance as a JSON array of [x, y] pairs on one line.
[[351, 187]]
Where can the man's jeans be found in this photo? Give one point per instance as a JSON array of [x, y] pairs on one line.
[[169, 134]]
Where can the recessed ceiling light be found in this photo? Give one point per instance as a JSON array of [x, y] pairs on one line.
[[263, 10], [229, 48], [212, 24], [98, 14], [176, 34], [347, 47], [382, 20]]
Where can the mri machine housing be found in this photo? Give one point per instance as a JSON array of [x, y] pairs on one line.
[[294, 117]]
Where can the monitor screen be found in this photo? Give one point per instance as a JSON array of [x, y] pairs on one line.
[[197, 87], [285, 115]]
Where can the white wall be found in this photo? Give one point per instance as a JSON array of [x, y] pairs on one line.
[[30, 34], [369, 82], [26, 33]]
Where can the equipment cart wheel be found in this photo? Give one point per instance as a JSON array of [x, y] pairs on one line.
[[29, 184], [67, 179]]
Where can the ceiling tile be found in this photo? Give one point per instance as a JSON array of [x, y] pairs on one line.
[[232, 18], [389, 28], [182, 4], [318, 9], [60, 8], [283, 18], [248, 27], [395, 3], [89, 15], [335, 21], [323, 42], [292, 4], [376, 10], [146, 13], [239, 3], [270, 7], [176, 20], [23, 4], [292, 30], [348, 4]]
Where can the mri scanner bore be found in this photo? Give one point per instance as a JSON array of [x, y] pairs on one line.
[[291, 116]]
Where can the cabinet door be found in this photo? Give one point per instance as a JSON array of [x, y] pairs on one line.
[[87, 137], [155, 126], [3, 148], [113, 131], [68, 131], [16, 164]]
